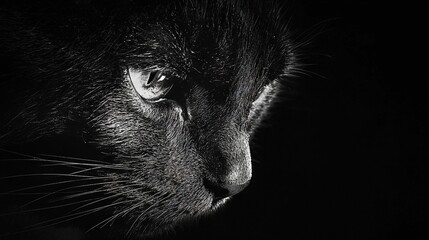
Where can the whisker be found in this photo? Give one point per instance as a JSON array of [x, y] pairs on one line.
[[84, 161], [69, 166], [45, 208], [16, 153], [100, 200], [145, 211], [51, 175], [107, 220], [73, 158], [307, 73], [114, 217], [67, 218], [24, 193], [98, 190], [86, 170], [54, 184], [65, 163], [105, 166], [35, 159], [80, 194], [124, 212], [52, 193]]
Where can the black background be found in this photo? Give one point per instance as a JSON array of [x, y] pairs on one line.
[[345, 156]]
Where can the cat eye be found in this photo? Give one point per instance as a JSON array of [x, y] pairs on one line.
[[152, 86]]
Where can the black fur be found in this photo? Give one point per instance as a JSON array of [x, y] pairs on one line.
[[64, 76]]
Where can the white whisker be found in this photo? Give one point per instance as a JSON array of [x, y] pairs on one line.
[[66, 218], [46, 208], [55, 184], [73, 158], [97, 201], [61, 190], [124, 212], [111, 218], [51, 175], [68, 164], [145, 211]]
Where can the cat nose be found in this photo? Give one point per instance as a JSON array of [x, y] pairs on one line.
[[222, 190], [228, 169], [230, 180]]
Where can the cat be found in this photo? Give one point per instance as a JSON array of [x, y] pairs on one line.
[[130, 116]]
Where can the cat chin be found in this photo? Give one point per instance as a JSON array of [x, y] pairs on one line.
[[159, 229], [154, 228]]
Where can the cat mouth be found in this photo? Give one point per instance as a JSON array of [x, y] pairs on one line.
[[221, 193]]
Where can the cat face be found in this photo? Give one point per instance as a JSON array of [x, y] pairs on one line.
[[171, 94]]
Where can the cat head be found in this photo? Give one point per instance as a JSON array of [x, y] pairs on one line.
[[171, 92]]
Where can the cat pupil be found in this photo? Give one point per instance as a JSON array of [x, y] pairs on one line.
[[152, 77]]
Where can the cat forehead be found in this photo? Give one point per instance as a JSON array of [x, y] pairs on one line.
[[217, 48]]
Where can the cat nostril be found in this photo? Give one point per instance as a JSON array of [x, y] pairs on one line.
[[223, 190]]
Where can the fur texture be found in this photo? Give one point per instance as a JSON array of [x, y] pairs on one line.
[[64, 74]]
